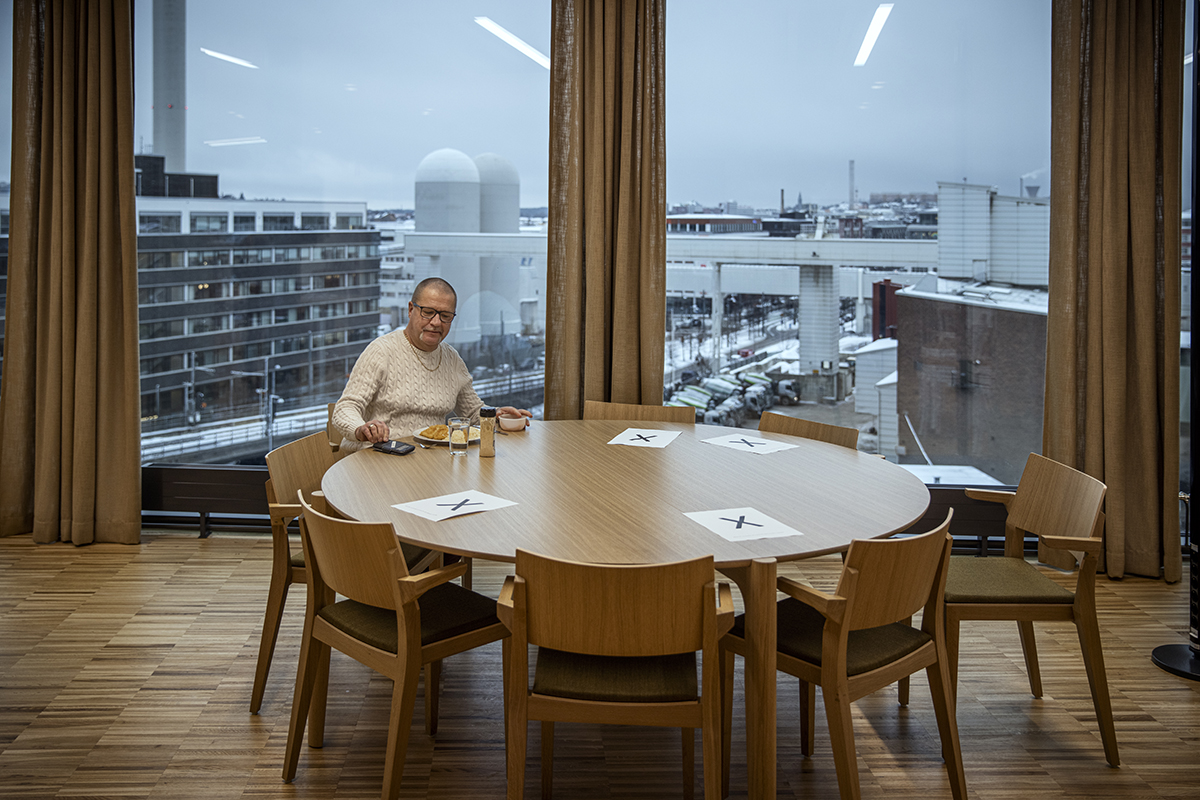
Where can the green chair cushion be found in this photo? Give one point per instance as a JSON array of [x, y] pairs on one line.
[[998, 579], [447, 610], [800, 628], [641, 679]]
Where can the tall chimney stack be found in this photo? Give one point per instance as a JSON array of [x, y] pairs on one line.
[[852, 183], [170, 83]]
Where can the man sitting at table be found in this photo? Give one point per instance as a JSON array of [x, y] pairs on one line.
[[410, 379]]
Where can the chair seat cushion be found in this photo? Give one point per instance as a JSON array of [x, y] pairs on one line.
[[447, 610], [998, 579], [640, 679], [801, 627], [297, 558]]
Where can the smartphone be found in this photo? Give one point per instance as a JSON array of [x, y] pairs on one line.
[[393, 447]]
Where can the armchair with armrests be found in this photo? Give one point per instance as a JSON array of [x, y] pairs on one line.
[[596, 409], [390, 621], [858, 640], [616, 645], [296, 467], [1062, 507]]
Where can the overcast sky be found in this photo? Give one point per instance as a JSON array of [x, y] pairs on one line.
[[762, 95]]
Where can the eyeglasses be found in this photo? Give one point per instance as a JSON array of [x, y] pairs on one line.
[[428, 313]]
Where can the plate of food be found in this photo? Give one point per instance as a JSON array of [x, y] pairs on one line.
[[440, 434]]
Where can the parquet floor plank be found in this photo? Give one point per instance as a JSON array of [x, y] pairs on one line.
[[125, 672]]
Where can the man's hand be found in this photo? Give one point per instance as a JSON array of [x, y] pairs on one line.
[[509, 411], [373, 431]]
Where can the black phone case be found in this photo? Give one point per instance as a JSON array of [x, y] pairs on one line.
[[393, 448]]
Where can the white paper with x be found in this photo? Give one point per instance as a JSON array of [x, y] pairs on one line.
[[748, 443], [454, 505], [644, 437], [740, 524]]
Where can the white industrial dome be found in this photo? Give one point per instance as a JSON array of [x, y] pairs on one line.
[[447, 166], [496, 169]]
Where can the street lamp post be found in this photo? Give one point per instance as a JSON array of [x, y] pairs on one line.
[[189, 388]]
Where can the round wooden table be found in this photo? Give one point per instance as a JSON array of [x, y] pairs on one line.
[[582, 499]]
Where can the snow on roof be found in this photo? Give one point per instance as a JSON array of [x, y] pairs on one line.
[[877, 345], [890, 380], [1026, 299]]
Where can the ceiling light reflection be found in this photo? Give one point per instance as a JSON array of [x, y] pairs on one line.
[[230, 59], [873, 30], [514, 41]]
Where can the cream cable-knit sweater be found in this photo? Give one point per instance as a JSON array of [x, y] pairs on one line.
[[388, 383]]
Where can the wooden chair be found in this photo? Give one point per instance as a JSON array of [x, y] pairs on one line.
[[819, 431], [616, 644], [331, 433], [390, 621], [296, 466], [1061, 506], [595, 409], [858, 640]]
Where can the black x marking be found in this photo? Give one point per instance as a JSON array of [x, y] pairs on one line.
[[642, 437], [749, 442], [466, 501], [740, 521]]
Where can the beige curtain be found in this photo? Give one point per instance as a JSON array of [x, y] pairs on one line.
[[606, 271], [69, 404], [1112, 355]]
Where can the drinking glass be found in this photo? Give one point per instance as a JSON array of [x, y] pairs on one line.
[[460, 431]]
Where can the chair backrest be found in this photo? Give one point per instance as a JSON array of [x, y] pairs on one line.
[[1055, 499], [299, 466], [595, 409], [357, 560], [896, 577], [332, 434], [616, 610], [818, 431]]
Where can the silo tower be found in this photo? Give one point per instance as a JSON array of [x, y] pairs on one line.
[[447, 201], [499, 212]]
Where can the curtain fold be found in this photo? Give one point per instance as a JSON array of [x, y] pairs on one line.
[[1112, 354], [70, 405], [606, 265]]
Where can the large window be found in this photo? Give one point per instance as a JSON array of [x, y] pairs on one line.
[[835, 179], [299, 186]]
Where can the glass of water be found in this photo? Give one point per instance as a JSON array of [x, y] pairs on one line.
[[460, 432]]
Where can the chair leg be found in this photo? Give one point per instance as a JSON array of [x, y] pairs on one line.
[[517, 732], [1029, 648], [306, 674], [952, 655], [689, 763], [710, 744], [902, 684], [276, 597], [505, 654], [1093, 663], [808, 717], [468, 576], [841, 737], [943, 709], [547, 759], [433, 690], [316, 714], [726, 662], [404, 699]]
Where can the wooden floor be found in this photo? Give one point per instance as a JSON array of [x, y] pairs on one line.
[[125, 672]]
